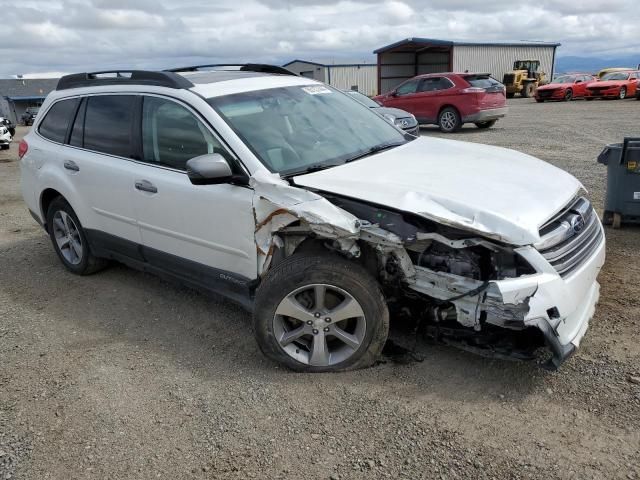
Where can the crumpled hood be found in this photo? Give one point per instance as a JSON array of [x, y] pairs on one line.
[[496, 192]]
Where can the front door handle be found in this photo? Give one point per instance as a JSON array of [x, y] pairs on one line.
[[146, 186], [71, 165]]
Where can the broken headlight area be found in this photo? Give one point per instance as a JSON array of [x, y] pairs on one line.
[[448, 281]]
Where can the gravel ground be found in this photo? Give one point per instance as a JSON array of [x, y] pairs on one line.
[[121, 375]]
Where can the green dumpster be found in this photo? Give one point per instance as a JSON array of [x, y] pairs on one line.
[[622, 201]]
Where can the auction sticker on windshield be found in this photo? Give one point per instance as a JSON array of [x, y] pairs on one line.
[[315, 90]]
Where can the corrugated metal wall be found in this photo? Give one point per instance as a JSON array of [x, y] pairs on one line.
[[310, 70], [364, 77], [498, 60], [396, 67]]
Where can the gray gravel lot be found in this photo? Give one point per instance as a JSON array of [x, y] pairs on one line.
[[121, 375]]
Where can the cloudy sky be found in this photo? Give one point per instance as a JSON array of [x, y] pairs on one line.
[[77, 35]]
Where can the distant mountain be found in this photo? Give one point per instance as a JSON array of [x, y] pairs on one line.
[[593, 64]]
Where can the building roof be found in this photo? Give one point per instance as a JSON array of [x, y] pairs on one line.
[[343, 63], [415, 43], [23, 88]]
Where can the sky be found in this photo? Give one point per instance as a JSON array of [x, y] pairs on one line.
[[54, 36]]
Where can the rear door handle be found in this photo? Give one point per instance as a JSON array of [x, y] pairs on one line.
[[146, 186], [71, 165]]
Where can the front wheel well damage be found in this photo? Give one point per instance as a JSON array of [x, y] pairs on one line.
[[436, 271]]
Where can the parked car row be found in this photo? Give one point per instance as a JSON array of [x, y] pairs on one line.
[[5, 137], [615, 84]]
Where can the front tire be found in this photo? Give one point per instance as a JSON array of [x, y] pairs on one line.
[[528, 90], [568, 95], [449, 120], [319, 312], [623, 93], [69, 239]]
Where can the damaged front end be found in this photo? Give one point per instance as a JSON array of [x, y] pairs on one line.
[[460, 289]]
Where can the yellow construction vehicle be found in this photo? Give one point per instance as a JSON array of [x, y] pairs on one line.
[[524, 79]]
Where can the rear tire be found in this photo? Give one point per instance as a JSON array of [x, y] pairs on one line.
[[69, 239], [617, 220], [487, 124], [449, 120], [316, 287]]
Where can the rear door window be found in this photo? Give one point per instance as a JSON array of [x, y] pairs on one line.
[[433, 84], [107, 125], [55, 124]]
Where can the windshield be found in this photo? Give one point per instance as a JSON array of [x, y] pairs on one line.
[[363, 99], [564, 79], [616, 76], [299, 128]]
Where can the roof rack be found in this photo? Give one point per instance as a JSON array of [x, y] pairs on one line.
[[124, 77], [244, 67]]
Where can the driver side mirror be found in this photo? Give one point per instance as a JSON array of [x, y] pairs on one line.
[[209, 169], [578, 81], [394, 93]]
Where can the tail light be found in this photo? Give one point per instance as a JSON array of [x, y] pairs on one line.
[[473, 90], [23, 148]]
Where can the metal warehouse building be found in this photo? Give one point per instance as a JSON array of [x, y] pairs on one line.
[[414, 56], [345, 76], [17, 94]]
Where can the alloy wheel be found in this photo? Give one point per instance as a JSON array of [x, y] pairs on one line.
[[448, 120], [67, 236], [319, 325]]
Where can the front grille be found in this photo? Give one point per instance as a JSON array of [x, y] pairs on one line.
[[545, 93], [571, 237]]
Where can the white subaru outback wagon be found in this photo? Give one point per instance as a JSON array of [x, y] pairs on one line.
[[314, 213]]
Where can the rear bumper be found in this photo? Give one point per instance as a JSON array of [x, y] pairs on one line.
[[486, 115]]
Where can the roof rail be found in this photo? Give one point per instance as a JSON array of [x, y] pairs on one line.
[[244, 67], [124, 77]]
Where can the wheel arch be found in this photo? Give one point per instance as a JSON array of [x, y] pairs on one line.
[[448, 105]]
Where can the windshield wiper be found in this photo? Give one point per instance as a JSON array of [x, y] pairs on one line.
[[374, 149], [316, 167]]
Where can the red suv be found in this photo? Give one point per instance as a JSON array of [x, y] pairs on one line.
[[450, 100]]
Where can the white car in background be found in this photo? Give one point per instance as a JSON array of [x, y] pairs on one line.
[[314, 213], [5, 137]]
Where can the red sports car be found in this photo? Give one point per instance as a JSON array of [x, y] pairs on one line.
[[450, 99], [565, 87], [614, 85]]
